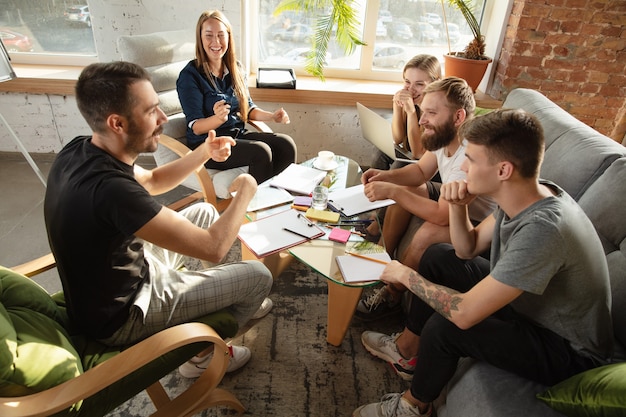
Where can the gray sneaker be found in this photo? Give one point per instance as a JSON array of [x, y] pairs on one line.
[[378, 305], [390, 405], [384, 347]]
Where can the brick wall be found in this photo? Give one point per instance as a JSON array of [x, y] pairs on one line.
[[574, 52]]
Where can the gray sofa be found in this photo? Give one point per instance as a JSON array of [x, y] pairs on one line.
[[592, 168]]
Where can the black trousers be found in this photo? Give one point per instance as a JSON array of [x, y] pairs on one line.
[[505, 340], [265, 154]]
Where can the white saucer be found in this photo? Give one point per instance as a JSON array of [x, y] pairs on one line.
[[329, 167]]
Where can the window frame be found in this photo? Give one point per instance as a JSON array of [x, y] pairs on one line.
[[493, 31]]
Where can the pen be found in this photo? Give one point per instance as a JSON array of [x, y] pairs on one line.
[[332, 207], [296, 233], [380, 261], [351, 222]]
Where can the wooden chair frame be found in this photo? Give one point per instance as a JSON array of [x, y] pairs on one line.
[[206, 183], [202, 394]]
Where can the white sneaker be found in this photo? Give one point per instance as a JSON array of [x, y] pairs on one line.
[[193, 368], [264, 309], [390, 405]]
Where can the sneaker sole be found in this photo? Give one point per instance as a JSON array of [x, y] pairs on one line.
[[399, 370]]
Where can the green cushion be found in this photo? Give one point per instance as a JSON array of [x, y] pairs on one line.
[[37, 352], [596, 392], [479, 111]]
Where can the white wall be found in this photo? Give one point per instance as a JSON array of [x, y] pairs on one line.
[[44, 123]]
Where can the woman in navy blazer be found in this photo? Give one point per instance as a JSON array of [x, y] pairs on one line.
[[214, 96]]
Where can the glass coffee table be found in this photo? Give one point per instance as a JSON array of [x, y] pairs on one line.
[[320, 255]]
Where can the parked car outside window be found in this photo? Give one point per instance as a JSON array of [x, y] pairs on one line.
[[423, 33], [296, 56], [432, 18], [389, 55], [385, 16], [399, 31], [298, 32], [453, 32], [78, 14], [15, 42], [381, 29]]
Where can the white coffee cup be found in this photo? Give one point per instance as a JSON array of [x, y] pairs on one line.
[[325, 159]]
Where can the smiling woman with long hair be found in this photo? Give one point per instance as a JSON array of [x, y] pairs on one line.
[[214, 95]]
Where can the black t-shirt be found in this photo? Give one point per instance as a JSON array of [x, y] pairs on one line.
[[92, 209]]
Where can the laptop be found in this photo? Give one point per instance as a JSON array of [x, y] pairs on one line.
[[377, 131]]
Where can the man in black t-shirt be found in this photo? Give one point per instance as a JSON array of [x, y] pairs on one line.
[[119, 252]]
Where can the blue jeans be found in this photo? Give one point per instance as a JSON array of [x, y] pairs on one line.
[[505, 339]]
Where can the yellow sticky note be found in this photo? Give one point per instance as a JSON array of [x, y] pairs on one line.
[[322, 215]]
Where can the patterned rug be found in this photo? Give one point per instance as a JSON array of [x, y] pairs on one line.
[[293, 370]]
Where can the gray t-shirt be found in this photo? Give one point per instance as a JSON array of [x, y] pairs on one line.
[[552, 252]]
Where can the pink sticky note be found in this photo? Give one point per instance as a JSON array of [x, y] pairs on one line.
[[339, 235]]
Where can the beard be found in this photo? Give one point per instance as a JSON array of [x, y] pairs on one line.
[[441, 137], [138, 144]]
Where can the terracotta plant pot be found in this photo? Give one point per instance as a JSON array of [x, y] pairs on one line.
[[471, 70]]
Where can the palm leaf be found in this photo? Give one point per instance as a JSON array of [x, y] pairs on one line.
[[330, 14]]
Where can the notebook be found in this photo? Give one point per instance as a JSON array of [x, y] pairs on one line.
[[298, 179], [352, 200], [267, 196], [364, 267], [377, 131]]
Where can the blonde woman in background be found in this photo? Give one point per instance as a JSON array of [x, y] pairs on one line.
[[420, 71]]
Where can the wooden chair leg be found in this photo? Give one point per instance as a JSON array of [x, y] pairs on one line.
[[219, 397], [158, 395]]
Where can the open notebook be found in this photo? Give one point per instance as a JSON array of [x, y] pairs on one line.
[[351, 201], [298, 179]]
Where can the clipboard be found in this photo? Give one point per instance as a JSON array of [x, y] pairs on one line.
[[277, 232]]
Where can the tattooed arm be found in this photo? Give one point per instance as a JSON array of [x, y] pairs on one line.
[[463, 309]]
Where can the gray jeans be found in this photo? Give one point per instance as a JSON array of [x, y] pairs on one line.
[[174, 295]]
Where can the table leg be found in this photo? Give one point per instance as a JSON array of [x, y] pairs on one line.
[[342, 302]]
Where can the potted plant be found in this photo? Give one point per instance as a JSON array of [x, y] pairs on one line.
[[471, 63]]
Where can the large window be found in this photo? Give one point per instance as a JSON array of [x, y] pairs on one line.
[[394, 32], [47, 31]]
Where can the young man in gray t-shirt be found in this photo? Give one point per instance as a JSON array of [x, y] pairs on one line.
[[543, 297]]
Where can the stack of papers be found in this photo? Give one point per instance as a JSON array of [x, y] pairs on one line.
[[279, 231], [351, 201], [298, 179]]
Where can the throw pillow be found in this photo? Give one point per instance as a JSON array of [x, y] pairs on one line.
[[36, 352], [596, 392]]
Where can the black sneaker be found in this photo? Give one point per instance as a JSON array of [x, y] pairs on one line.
[[378, 305]]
